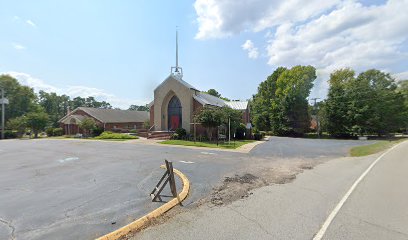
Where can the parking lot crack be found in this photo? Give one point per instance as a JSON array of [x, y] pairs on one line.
[[9, 225]]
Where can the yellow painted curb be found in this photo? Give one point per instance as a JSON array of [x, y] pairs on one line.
[[143, 221]]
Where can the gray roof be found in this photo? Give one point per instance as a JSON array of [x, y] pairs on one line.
[[114, 115], [207, 99], [67, 119], [239, 105]]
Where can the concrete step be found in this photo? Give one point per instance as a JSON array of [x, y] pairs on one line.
[[160, 135]]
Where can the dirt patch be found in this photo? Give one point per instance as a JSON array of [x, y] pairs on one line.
[[239, 185], [246, 178], [262, 173]]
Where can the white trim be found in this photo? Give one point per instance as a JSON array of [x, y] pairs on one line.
[[171, 76]]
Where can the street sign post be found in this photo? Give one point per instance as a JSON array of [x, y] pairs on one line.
[[4, 101]]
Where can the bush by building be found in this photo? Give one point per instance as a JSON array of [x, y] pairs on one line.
[[112, 135], [58, 132]]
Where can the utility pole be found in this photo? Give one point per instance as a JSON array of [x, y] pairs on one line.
[[229, 130], [317, 115], [2, 112]]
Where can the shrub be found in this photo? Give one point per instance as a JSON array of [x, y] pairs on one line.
[[111, 135], [133, 130], [174, 136], [8, 134], [87, 125], [258, 136], [181, 132], [97, 131], [57, 132], [146, 124], [49, 132], [240, 131], [202, 138]]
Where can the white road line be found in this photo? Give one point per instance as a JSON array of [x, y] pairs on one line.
[[189, 162], [319, 235], [68, 159], [208, 153]]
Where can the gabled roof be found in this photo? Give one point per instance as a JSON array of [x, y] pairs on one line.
[[177, 78], [113, 115], [207, 99], [67, 119]]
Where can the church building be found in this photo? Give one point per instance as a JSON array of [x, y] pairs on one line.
[[176, 103]]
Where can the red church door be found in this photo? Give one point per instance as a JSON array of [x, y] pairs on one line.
[[175, 122], [174, 116]]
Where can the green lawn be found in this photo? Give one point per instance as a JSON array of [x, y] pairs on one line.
[[223, 145], [373, 148]]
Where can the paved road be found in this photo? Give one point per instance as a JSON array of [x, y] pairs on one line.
[[61, 189], [378, 207], [284, 147], [376, 210]]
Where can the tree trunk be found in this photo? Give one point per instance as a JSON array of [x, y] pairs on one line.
[[209, 133]]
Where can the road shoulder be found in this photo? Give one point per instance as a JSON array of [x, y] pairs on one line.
[[282, 211]]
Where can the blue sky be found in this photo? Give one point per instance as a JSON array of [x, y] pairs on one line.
[[120, 51]]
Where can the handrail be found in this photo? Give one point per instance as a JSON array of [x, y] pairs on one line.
[[151, 127]]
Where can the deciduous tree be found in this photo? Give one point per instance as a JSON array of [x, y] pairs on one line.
[[289, 113], [37, 121], [87, 125]]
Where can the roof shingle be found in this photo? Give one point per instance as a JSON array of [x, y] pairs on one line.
[[115, 115]]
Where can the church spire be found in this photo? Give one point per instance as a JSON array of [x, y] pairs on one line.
[[177, 71], [176, 49]]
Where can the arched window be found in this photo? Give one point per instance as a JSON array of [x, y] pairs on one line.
[[174, 114]]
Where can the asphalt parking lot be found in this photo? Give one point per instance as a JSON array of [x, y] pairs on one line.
[[69, 189]]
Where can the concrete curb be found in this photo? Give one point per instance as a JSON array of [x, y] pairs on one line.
[[246, 148], [145, 220]]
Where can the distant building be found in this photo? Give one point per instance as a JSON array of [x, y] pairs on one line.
[[107, 119], [176, 102]]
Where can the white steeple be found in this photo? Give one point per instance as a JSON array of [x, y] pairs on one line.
[[177, 71]]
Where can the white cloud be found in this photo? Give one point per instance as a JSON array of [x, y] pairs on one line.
[[18, 46], [252, 50], [75, 91], [31, 23], [222, 18], [326, 34], [28, 80], [401, 76]]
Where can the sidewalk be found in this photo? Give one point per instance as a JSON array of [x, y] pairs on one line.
[[289, 211]]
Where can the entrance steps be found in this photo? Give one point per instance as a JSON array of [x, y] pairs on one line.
[[160, 135], [143, 133]]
